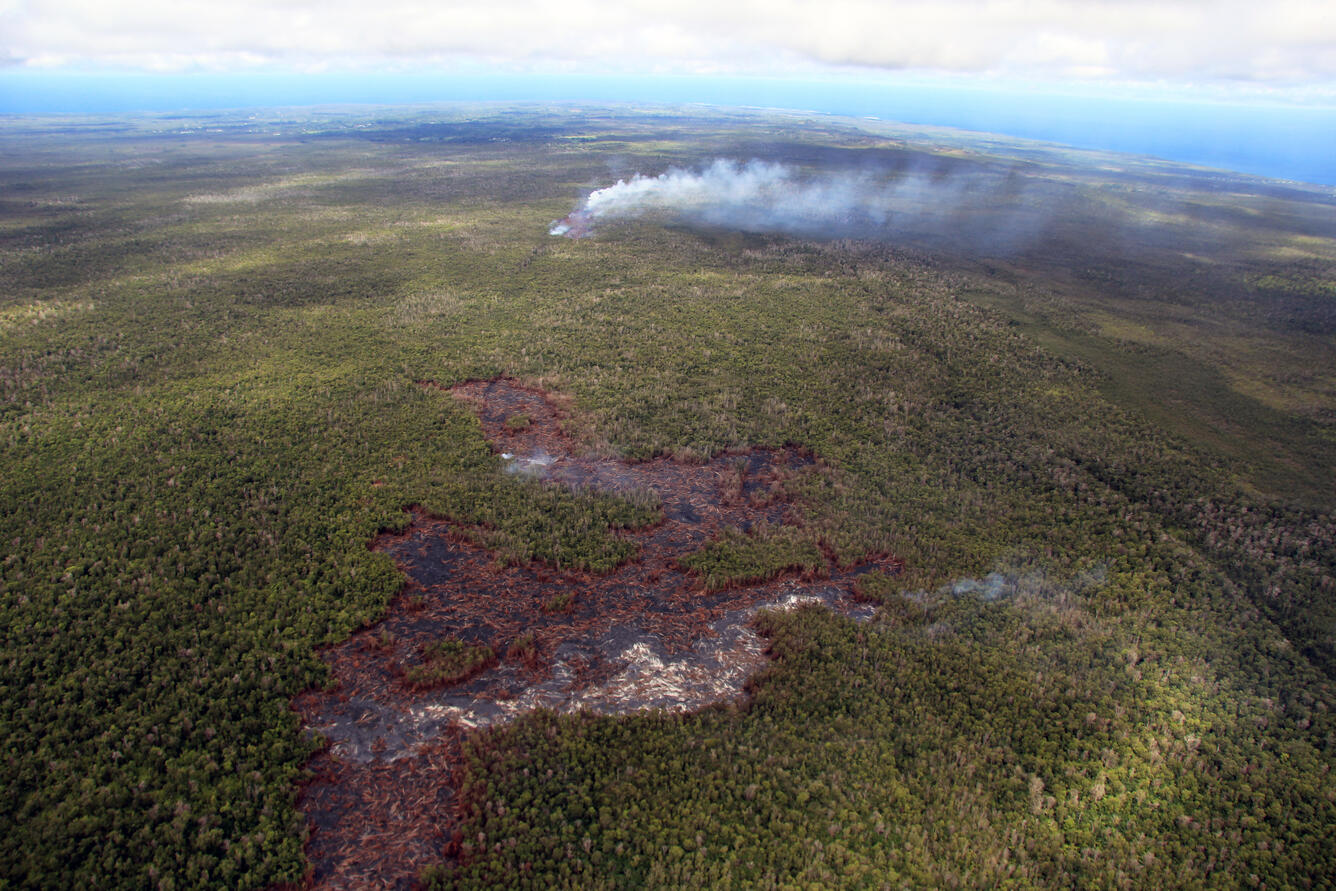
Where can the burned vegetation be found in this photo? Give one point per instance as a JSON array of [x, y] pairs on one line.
[[479, 636]]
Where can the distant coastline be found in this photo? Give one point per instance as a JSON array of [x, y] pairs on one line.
[[1282, 141]]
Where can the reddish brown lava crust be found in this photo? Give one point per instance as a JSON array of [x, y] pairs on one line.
[[382, 805]]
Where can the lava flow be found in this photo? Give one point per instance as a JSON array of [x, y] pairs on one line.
[[576, 224], [645, 635]]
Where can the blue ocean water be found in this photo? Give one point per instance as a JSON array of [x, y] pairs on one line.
[[1285, 141]]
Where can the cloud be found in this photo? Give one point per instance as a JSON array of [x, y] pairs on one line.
[[1281, 41]]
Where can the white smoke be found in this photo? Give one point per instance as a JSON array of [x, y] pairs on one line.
[[725, 188], [759, 196]]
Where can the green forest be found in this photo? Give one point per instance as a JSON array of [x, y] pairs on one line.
[[213, 333]]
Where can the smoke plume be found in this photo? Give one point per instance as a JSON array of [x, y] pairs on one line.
[[756, 196], [763, 197]]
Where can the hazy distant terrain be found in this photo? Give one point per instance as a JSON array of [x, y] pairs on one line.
[[1071, 417]]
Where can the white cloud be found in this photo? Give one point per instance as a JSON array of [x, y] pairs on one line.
[[1291, 41]]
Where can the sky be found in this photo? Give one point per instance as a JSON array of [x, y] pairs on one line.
[[1244, 85]]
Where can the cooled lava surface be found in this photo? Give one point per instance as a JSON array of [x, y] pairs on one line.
[[646, 635]]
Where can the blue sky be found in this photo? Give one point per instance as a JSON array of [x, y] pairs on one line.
[[1244, 86]]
